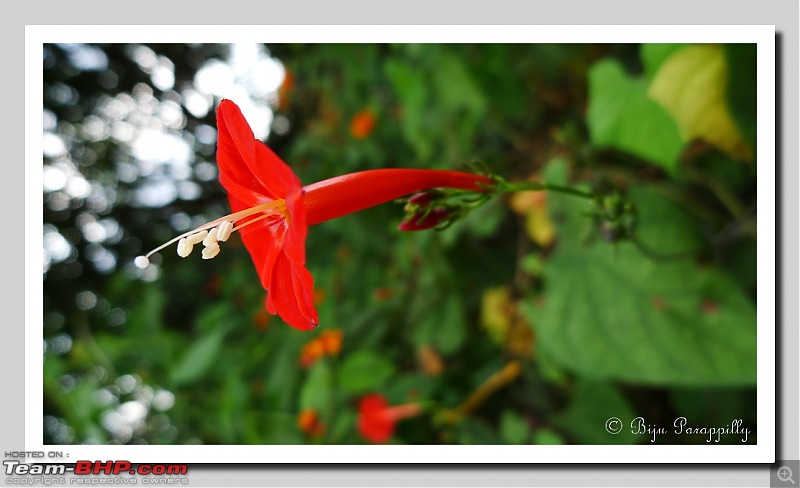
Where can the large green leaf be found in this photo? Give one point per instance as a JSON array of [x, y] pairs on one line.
[[620, 116], [610, 312]]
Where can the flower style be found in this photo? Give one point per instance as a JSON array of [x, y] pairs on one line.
[[272, 211], [376, 419]]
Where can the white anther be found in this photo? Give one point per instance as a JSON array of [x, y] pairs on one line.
[[211, 238], [195, 238], [225, 229], [141, 262], [210, 251], [184, 248]]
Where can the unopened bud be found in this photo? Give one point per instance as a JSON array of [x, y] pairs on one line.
[[424, 221]]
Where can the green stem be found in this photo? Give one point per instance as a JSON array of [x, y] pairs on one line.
[[538, 185]]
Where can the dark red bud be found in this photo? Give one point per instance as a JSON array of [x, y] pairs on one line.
[[424, 220], [421, 199]]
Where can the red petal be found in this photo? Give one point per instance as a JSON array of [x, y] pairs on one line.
[[291, 294], [277, 175], [246, 164], [295, 244]]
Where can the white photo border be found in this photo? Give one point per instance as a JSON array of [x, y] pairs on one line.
[[762, 35]]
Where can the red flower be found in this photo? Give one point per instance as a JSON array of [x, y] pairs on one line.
[[273, 211], [376, 419]]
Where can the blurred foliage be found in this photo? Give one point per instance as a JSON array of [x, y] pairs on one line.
[[640, 302]]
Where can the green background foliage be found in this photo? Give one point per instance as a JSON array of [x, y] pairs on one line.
[[641, 303]]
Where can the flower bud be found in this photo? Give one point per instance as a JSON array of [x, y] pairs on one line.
[[427, 220]]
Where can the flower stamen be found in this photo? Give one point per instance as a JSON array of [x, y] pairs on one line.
[[198, 237], [225, 230], [210, 251], [184, 247], [216, 231]]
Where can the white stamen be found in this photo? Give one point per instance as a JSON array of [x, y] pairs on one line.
[[199, 234], [141, 262], [210, 251], [225, 229], [211, 238], [184, 248], [195, 238]]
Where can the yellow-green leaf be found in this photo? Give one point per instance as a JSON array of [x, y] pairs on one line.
[[690, 85]]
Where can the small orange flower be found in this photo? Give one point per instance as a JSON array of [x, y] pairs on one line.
[[311, 351], [328, 343], [331, 341], [362, 124], [310, 424]]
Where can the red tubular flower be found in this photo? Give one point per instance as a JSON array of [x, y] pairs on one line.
[[272, 210], [376, 419]]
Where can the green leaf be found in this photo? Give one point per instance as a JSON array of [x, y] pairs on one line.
[[363, 371], [232, 403], [691, 85], [414, 94], [198, 358], [620, 116], [654, 54], [316, 391], [442, 326], [610, 312], [456, 87], [513, 428], [662, 224], [590, 409]]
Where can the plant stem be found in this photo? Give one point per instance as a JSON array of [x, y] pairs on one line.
[[538, 186]]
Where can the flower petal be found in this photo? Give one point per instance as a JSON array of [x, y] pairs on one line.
[[295, 243], [291, 294], [246, 163]]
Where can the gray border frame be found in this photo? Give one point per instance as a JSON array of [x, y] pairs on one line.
[[784, 14]]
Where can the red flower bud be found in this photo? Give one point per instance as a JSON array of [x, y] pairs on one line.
[[425, 220]]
